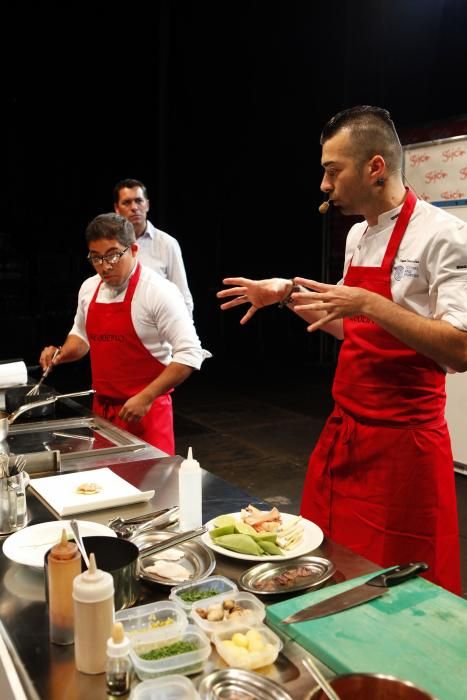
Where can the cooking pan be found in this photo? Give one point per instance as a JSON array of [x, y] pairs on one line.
[[16, 396], [6, 419], [372, 686], [122, 559], [119, 558]]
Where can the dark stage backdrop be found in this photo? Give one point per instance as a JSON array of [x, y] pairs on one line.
[[218, 107]]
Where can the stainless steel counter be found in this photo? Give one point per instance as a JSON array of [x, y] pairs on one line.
[[82, 440], [48, 671]]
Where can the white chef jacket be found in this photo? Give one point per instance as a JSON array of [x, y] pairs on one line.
[[159, 316], [429, 274], [161, 252]]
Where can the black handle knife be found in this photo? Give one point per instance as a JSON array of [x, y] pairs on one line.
[[373, 588]]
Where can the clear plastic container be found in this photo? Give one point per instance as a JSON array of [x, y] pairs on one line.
[[153, 622], [220, 584], [185, 664], [173, 687], [254, 612], [255, 655]]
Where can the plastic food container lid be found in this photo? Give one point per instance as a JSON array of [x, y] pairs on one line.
[[162, 620], [185, 664], [221, 584], [174, 687], [252, 657], [254, 614]]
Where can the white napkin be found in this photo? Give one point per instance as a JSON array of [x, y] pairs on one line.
[[13, 373]]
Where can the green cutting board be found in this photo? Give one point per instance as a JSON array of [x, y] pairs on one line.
[[417, 631]]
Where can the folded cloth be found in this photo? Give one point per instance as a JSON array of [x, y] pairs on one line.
[[13, 373]]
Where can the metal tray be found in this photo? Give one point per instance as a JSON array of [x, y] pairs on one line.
[[198, 559], [322, 570], [241, 685]]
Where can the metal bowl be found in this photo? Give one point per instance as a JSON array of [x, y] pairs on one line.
[[253, 579], [236, 683], [197, 559], [367, 686]]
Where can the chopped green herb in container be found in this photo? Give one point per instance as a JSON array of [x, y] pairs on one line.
[[169, 650], [186, 594], [194, 596], [185, 655]]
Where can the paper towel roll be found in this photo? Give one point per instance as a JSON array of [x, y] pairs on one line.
[[13, 373]]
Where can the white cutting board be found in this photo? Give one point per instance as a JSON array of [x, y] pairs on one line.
[[60, 492]]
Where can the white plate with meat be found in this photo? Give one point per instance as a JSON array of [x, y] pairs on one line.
[[311, 539]]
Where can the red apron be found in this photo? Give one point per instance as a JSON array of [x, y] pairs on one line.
[[381, 477], [122, 367]]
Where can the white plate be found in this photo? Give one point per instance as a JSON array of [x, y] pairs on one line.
[[28, 546], [312, 538]]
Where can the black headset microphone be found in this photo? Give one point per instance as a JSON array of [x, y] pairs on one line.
[[324, 206]]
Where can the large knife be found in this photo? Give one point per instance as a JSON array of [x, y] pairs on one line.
[[373, 588]]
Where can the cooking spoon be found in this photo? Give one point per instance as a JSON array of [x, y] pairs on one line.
[[314, 671], [75, 530]]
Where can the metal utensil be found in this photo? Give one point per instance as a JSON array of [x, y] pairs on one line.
[[314, 671], [75, 530], [4, 464], [172, 542], [161, 520], [373, 588], [126, 527], [56, 433], [35, 389], [19, 462]]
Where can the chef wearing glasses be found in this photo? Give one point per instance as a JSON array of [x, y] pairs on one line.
[[140, 335]]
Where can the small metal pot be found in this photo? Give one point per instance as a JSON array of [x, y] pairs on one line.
[[121, 559], [369, 686]]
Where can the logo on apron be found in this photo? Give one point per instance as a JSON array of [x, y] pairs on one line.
[[398, 272]]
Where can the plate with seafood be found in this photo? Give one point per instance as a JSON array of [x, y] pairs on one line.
[[257, 535]]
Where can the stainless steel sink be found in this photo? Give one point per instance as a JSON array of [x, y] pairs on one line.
[[73, 437]]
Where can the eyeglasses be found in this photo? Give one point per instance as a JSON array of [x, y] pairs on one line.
[[110, 259]]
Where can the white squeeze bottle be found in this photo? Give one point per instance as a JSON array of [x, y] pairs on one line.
[[190, 493], [93, 598]]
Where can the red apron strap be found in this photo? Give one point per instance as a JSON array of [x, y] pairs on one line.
[[399, 229]]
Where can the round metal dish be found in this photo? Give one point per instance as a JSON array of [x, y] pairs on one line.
[[321, 570], [234, 683], [198, 560]]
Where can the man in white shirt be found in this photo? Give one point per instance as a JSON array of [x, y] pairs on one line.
[[381, 479], [156, 249], [137, 328]]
